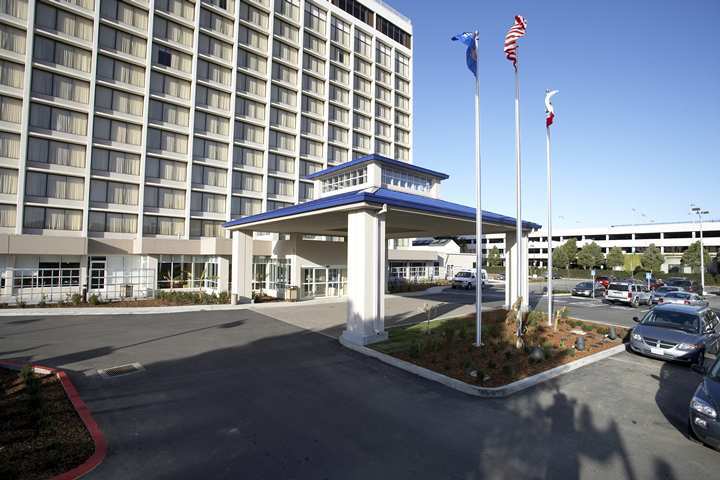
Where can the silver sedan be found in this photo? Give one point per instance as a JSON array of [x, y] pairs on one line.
[[683, 298]]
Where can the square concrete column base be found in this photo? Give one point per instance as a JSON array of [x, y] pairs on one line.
[[364, 339]]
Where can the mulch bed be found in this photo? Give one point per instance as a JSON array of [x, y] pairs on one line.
[[39, 438], [449, 349]]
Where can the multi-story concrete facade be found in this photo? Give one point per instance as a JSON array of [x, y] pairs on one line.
[[131, 130]]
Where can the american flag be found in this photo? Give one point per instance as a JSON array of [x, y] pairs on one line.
[[515, 32]]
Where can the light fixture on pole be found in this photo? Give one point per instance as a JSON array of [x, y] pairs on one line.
[[700, 212]]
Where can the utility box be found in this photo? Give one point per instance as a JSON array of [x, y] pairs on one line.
[[291, 294]]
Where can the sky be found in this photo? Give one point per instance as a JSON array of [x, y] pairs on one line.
[[637, 117]]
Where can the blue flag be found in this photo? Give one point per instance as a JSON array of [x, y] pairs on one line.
[[468, 38]]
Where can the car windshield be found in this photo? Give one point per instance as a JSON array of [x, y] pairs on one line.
[[666, 289], [583, 285], [618, 286], [687, 322], [682, 295], [463, 274]]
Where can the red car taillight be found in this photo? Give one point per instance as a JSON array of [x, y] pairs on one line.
[[687, 302], [629, 294], [660, 300]]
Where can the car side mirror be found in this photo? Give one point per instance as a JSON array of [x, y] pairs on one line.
[[699, 368], [636, 320]]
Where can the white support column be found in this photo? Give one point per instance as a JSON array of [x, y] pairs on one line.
[[242, 253], [366, 248], [223, 273]]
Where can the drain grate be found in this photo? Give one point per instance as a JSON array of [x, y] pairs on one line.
[[120, 370]]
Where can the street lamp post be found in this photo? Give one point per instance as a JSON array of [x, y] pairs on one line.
[[700, 212]]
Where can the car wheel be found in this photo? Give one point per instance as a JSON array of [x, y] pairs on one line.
[[467, 286], [452, 286], [635, 302]]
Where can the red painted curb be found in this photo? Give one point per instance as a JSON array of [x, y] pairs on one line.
[[83, 412]]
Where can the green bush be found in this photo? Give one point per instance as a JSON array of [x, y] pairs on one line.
[[587, 328], [415, 349], [536, 318], [602, 330], [76, 299], [94, 300]]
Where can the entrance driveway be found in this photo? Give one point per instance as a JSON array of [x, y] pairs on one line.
[[239, 394]]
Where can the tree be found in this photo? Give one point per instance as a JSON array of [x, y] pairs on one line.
[[560, 259], [691, 256], [615, 258], [571, 250], [494, 259], [652, 259], [590, 255]]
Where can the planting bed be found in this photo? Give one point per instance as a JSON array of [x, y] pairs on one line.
[[446, 346]]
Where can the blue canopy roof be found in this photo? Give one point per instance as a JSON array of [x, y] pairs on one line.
[[377, 158], [381, 196]]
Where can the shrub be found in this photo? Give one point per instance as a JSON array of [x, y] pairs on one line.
[[224, 297], [21, 304], [536, 318], [414, 349], [587, 328], [76, 299], [42, 303], [603, 330], [94, 300]]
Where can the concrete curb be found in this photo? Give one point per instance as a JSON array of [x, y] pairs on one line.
[[89, 311], [485, 392], [83, 412]]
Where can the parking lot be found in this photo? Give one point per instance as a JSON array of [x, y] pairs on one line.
[[231, 393]]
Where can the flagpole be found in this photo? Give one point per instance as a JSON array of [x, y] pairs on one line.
[[518, 193], [549, 226], [478, 206]]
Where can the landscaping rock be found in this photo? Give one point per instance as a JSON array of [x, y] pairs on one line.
[[537, 354]]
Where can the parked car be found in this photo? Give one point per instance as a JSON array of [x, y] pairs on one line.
[[634, 294], [466, 279], [677, 332], [660, 292], [685, 284], [605, 281], [705, 406], [585, 289], [684, 298], [555, 275]]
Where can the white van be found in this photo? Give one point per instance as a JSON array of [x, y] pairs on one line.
[[466, 279]]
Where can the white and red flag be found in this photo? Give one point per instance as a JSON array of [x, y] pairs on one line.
[[516, 31], [549, 110]]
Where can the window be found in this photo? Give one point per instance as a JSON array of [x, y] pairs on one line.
[[249, 109], [402, 102], [314, 44], [214, 47], [362, 104], [251, 61], [363, 67], [54, 186], [11, 74], [253, 15], [212, 177], [402, 86], [164, 198], [283, 96], [243, 207], [282, 118], [392, 31], [402, 119], [53, 118], [311, 148], [312, 105], [284, 74], [117, 131], [115, 162], [164, 58], [247, 157], [251, 38], [211, 98], [180, 8], [383, 77], [314, 18], [313, 85], [339, 75], [383, 130], [52, 219], [285, 52], [286, 31], [172, 32], [211, 124], [11, 111], [53, 152], [165, 169], [339, 55], [14, 8], [337, 134], [205, 149], [312, 127], [207, 202], [282, 141], [382, 54], [171, 86], [13, 40], [339, 95], [356, 9], [308, 168], [113, 192], [280, 186], [112, 222], [216, 23], [307, 191], [244, 132], [250, 85], [206, 228], [115, 70], [337, 154], [163, 226], [383, 148], [167, 141], [115, 40], [288, 8], [63, 22], [403, 136], [124, 13], [363, 43], [8, 214], [10, 145], [173, 59], [226, 5], [406, 180], [340, 31], [117, 101], [280, 163], [62, 54], [383, 94], [60, 86], [314, 64], [347, 179], [8, 181], [361, 141], [247, 182], [361, 122], [212, 72], [402, 64]]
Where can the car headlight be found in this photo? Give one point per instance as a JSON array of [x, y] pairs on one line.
[[636, 337], [688, 346], [701, 406]]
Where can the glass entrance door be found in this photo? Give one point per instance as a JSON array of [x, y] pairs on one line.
[[323, 282]]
